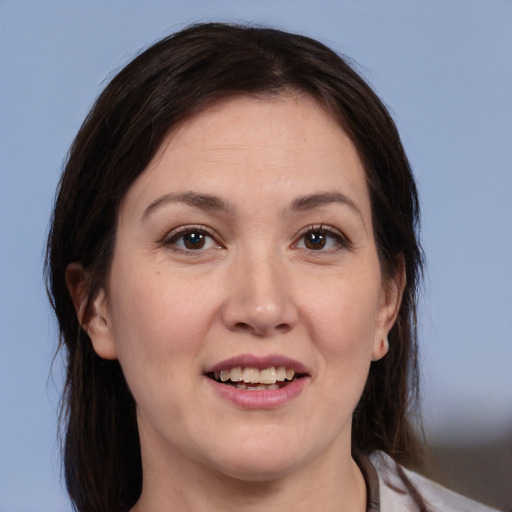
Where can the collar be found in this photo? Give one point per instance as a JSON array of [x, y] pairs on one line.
[[371, 480]]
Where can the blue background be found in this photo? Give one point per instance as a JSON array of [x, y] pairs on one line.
[[445, 70]]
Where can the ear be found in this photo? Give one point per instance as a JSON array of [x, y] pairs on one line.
[[389, 306], [92, 312]]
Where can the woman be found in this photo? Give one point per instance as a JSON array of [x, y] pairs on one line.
[[234, 263]]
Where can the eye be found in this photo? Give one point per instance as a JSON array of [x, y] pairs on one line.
[[191, 239], [321, 238]]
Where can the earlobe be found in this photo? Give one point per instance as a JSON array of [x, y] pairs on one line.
[[98, 327], [92, 313], [380, 349], [391, 299]]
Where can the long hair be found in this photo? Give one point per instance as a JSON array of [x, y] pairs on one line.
[[175, 78]]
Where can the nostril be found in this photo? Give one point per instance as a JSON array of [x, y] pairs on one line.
[[261, 330], [241, 326]]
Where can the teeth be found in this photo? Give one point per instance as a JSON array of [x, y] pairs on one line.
[[251, 375], [261, 387], [266, 377], [281, 373], [236, 374]]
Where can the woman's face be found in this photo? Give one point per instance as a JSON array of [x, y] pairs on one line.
[[245, 301]]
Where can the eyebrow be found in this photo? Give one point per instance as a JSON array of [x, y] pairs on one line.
[[210, 202], [194, 199], [312, 201]]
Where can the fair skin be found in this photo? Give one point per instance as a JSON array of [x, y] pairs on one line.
[[249, 236]]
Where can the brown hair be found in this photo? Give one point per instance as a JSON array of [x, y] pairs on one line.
[[175, 78]]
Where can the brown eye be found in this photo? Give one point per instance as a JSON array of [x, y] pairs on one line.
[[194, 240], [315, 241], [322, 239], [191, 239]]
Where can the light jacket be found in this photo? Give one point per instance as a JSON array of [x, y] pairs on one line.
[[391, 488]]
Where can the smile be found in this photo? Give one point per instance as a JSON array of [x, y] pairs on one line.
[[253, 379], [256, 382]]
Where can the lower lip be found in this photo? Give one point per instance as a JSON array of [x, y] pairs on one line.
[[262, 399]]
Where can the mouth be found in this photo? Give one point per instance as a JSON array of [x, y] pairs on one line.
[[258, 383], [250, 378]]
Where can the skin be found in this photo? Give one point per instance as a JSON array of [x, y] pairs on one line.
[[255, 287]]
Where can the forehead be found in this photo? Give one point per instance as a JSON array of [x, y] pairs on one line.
[[247, 146]]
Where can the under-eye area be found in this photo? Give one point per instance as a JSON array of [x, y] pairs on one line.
[[254, 379]]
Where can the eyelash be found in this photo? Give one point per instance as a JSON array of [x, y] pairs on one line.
[[170, 240], [340, 240]]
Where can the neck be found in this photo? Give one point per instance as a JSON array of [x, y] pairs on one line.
[[332, 483]]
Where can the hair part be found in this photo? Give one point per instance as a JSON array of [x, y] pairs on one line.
[[168, 83]]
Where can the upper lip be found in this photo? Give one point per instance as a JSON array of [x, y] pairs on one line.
[[251, 361]]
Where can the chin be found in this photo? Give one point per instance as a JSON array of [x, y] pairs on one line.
[[259, 462], [264, 471]]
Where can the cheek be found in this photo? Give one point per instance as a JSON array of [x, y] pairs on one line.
[[156, 318], [158, 327], [343, 317], [342, 324]]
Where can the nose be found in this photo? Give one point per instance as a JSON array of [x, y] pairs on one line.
[[260, 297]]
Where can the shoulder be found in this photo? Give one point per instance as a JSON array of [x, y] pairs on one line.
[[397, 486]]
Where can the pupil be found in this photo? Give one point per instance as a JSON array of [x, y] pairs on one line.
[[194, 240], [315, 241]]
